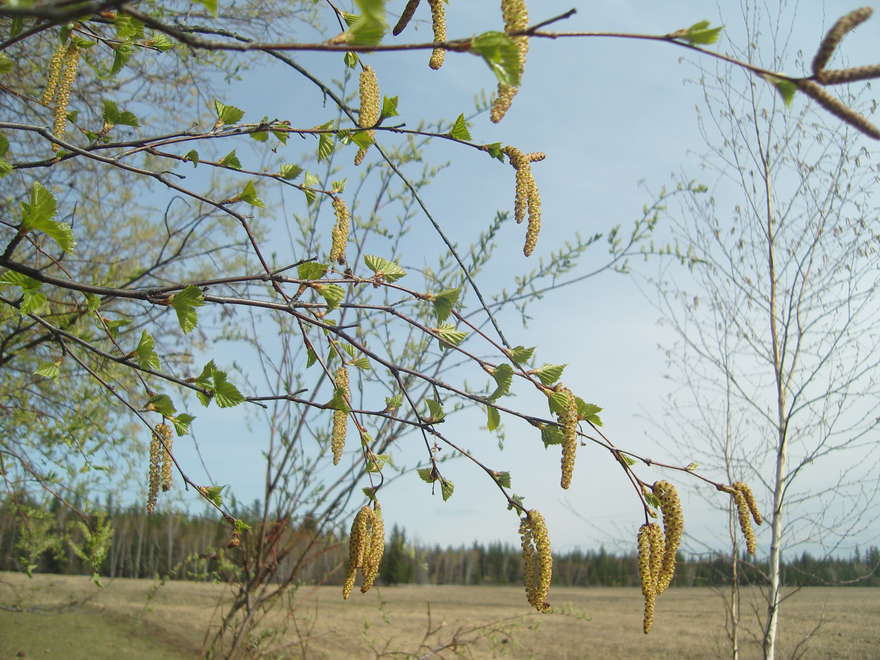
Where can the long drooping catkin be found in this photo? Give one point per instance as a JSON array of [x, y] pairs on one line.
[[673, 527], [438, 24], [516, 19], [373, 556], [153, 474], [750, 500], [836, 33], [537, 559], [366, 545], [340, 417], [568, 419], [62, 92], [54, 74], [339, 234], [745, 522], [650, 545], [838, 108], [527, 199], [371, 106], [166, 437], [854, 74]]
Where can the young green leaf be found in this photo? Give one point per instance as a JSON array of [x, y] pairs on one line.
[[227, 114], [503, 376], [311, 270], [435, 411], [449, 335], [557, 401], [786, 88], [231, 160], [338, 401], [393, 402], [549, 373], [362, 363], [460, 130], [311, 357], [350, 59], [193, 156], [427, 474], [161, 403], [185, 303], [333, 294], [145, 352], [37, 213], [249, 195], [389, 107], [49, 370], [289, 171], [494, 150], [32, 302], [13, 278], [113, 115], [521, 354], [501, 54], [502, 479], [220, 389], [368, 27], [551, 435], [446, 488], [182, 423], [386, 270], [376, 462], [493, 418], [588, 411], [444, 301], [701, 33], [326, 144]]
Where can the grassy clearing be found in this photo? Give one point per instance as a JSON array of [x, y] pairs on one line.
[[136, 619]]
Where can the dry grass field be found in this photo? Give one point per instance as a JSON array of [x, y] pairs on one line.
[[137, 619]]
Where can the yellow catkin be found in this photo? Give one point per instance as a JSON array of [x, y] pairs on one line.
[[568, 419], [650, 545], [62, 96], [406, 16], [750, 500], [534, 226], [520, 163], [438, 23], [153, 488], [745, 521], [836, 33], [537, 559], [838, 108], [516, 19], [163, 431], [371, 108], [841, 76], [340, 417], [54, 74], [339, 235], [673, 527], [358, 542], [373, 557]]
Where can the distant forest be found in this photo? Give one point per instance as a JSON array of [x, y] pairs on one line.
[[195, 547]]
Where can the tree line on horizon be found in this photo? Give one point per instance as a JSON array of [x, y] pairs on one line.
[[177, 545]]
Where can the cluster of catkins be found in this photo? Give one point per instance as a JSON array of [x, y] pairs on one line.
[[340, 417], [658, 547], [747, 510], [366, 545], [160, 463], [527, 200], [62, 73], [813, 88]]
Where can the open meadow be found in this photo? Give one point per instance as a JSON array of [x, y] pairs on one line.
[[67, 617]]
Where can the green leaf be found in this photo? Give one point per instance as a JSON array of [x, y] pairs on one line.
[[350, 59], [376, 462], [435, 411], [161, 403], [551, 435], [326, 144], [629, 460], [311, 270], [368, 28], [338, 401], [460, 130], [701, 33], [5, 63], [37, 213], [449, 335], [311, 357], [501, 54], [193, 156], [333, 294], [503, 376], [5, 168], [503, 479], [145, 352], [185, 303], [289, 171], [121, 54], [495, 151], [161, 42], [310, 181], [493, 418], [4, 145], [444, 301], [521, 354], [588, 411], [446, 488], [786, 88], [549, 373], [231, 160], [249, 195], [652, 500], [259, 136], [113, 115], [49, 370], [213, 493], [363, 139], [427, 474], [182, 423], [32, 302], [361, 363], [227, 114], [393, 402], [557, 401], [13, 278], [386, 270], [216, 382], [389, 107]]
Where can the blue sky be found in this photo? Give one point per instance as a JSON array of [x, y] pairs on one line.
[[617, 120]]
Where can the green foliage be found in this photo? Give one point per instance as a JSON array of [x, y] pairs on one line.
[[185, 303], [215, 381], [501, 55], [701, 34], [444, 302], [37, 213], [369, 26], [384, 269]]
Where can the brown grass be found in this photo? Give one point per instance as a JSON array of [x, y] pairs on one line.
[[480, 622]]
